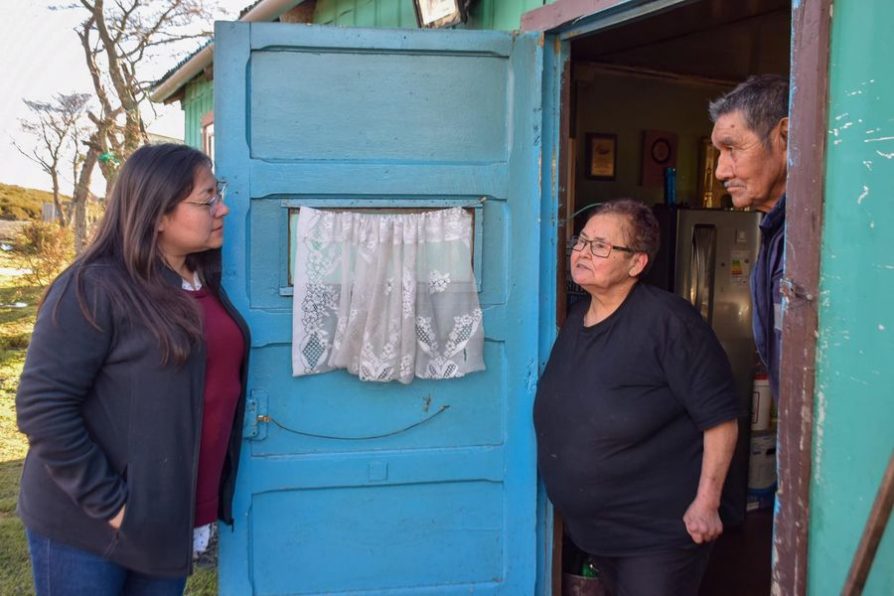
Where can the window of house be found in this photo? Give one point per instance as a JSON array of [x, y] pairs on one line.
[[208, 134]]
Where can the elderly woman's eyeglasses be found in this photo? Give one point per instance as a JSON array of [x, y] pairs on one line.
[[598, 248], [216, 199]]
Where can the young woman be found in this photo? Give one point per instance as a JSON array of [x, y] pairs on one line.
[[133, 388]]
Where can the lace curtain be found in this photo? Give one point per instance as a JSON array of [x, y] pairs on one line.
[[386, 296]]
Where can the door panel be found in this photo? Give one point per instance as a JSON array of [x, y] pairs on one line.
[[464, 520], [347, 486], [318, 103], [465, 412]]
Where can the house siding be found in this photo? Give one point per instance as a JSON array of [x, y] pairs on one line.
[[198, 100]]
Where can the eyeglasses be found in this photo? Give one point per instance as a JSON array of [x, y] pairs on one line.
[[216, 199], [598, 248]]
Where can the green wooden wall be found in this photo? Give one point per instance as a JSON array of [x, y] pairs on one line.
[[854, 431], [197, 101], [504, 15]]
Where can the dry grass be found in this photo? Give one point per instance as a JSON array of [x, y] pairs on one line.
[[18, 307], [17, 310]]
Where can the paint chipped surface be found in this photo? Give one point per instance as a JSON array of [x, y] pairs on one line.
[[863, 195], [819, 431]]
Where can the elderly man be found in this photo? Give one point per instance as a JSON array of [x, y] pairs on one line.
[[751, 133]]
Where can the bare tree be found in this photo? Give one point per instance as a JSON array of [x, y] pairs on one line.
[[122, 40], [52, 124], [82, 193]]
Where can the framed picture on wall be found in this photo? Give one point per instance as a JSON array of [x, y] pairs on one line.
[[602, 156]]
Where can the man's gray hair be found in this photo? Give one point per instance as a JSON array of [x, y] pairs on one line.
[[762, 99]]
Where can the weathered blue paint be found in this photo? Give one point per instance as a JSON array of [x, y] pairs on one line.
[[451, 505], [556, 55], [502, 15]]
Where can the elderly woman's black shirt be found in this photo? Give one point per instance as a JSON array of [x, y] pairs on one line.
[[620, 414]]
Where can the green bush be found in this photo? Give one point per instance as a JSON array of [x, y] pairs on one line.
[[46, 250]]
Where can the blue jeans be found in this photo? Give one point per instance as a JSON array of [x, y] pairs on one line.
[[62, 570]]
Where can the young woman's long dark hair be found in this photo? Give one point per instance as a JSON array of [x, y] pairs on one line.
[[150, 185]]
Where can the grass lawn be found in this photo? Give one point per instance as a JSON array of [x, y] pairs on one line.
[[18, 306]]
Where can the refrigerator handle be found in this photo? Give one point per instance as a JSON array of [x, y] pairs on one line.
[[701, 281]]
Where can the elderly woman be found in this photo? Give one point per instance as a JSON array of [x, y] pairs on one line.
[[635, 415]]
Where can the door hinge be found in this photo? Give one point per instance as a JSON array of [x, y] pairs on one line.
[[256, 419]]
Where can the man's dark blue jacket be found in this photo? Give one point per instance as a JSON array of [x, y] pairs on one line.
[[766, 297]]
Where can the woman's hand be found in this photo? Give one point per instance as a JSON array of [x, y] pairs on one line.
[[702, 522], [701, 518], [115, 522]]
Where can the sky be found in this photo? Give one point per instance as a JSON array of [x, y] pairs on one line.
[[40, 55]]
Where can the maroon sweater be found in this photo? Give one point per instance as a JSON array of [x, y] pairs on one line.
[[224, 348]]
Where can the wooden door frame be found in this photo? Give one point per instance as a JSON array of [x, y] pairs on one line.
[[811, 34], [810, 41]]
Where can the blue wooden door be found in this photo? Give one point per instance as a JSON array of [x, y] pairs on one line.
[[347, 486]]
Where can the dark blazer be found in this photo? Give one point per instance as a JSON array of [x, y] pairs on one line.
[[109, 425]]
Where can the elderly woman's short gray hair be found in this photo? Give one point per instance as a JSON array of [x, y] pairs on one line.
[[643, 232]]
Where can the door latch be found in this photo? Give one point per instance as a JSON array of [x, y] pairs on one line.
[[256, 419]]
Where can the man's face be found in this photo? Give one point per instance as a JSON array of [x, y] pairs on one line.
[[752, 172]]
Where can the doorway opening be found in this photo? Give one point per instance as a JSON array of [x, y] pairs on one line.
[[636, 125]]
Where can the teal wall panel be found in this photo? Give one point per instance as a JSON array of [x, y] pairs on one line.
[[197, 101], [854, 430], [366, 13]]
